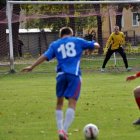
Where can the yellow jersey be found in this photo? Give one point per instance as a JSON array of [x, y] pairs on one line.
[[115, 41]]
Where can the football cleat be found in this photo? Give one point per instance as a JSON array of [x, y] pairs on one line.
[[62, 135], [137, 122], [129, 69], [102, 69]]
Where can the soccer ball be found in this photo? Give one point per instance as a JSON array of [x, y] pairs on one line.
[[91, 131]]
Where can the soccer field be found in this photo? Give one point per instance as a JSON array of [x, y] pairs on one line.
[[56, 29], [27, 105]]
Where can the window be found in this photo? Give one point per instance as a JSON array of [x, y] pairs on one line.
[[135, 19]]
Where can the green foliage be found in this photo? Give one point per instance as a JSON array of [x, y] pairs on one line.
[[54, 16], [131, 49]]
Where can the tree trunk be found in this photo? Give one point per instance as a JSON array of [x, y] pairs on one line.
[[3, 43], [72, 20], [99, 28], [15, 30], [99, 32]]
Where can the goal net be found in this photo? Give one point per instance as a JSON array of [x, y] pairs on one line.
[[31, 26]]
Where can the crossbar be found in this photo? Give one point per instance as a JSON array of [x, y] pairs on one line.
[[74, 2]]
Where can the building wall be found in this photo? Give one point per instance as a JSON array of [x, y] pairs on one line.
[[36, 43], [109, 20], [128, 15]]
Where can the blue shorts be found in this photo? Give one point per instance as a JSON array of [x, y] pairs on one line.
[[68, 86]]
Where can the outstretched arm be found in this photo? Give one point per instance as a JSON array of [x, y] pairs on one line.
[[89, 51], [132, 77], [41, 59]]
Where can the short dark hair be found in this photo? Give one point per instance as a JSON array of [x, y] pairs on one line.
[[65, 31]]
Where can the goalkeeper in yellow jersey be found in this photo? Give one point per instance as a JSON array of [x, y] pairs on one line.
[[115, 44]]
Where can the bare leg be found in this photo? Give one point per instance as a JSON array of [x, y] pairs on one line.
[[137, 99]]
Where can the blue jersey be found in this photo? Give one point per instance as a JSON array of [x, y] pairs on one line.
[[68, 51]]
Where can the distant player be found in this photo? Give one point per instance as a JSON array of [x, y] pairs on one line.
[[115, 44], [68, 51], [136, 92]]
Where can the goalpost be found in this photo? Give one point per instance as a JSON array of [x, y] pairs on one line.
[[84, 11]]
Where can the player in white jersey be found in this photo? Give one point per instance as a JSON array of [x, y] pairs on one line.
[[68, 51]]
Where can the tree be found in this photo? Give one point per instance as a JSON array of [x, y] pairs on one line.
[[15, 29], [99, 28], [3, 44], [72, 19], [4, 47], [67, 16]]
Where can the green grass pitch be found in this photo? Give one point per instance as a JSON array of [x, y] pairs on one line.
[[27, 105]]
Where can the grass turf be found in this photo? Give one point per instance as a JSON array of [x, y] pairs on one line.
[[27, 105]]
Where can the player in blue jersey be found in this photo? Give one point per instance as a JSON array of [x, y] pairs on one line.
[[68, 51]]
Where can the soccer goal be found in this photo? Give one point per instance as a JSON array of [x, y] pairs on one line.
[[33, 25]]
